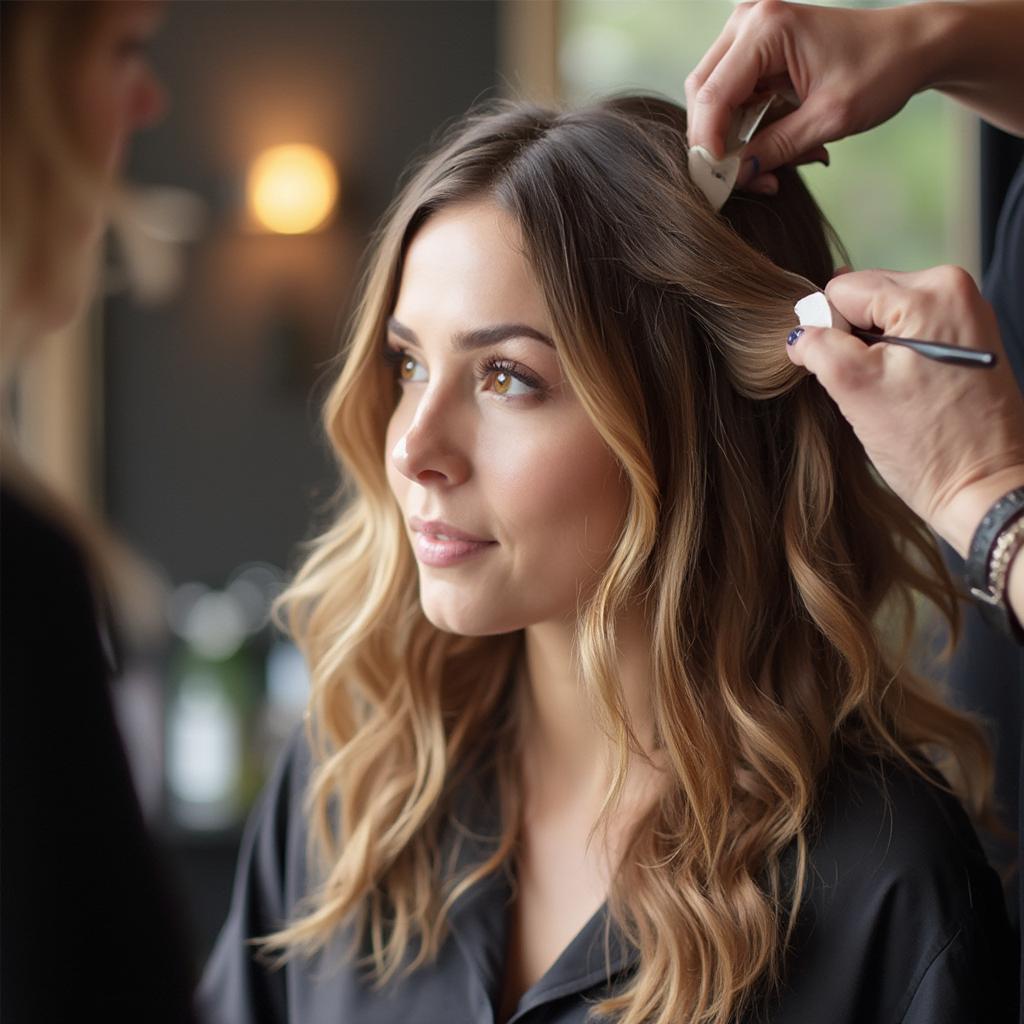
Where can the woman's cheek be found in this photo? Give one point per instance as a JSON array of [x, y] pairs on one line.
[[558, 477], [518, 470]]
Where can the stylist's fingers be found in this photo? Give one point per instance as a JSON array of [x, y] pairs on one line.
[[798, 137], [847, 67], [762, 46], [706, 120], [842, 363], [818, 155], [871, 298], [730, 85], [935, 433], [939, 304], [768, 184]]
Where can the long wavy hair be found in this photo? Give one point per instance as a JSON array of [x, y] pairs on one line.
[[780, 579]]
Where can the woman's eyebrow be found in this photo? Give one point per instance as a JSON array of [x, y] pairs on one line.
[[478, 338]]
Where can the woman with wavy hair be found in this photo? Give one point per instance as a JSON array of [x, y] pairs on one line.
[[612, 713]]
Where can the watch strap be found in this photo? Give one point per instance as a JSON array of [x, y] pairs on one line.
[[986, 575]]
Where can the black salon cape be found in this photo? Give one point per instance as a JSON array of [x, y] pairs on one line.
[[904, 922], [87, 930]]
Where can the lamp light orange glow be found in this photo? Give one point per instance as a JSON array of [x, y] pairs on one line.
[[292, 189]]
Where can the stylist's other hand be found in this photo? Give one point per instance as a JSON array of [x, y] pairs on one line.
[[851, 69], [947, 439]]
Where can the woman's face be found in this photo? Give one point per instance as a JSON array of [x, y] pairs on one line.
[[113, 89], [111, 92], [512, 502]]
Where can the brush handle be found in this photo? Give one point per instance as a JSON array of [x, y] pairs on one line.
[[934, 349]]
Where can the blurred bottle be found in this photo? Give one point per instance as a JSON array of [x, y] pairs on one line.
[[212, 772], [287, 698], [256, 586]]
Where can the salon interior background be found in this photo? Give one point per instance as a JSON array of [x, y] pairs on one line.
[[190, 421]]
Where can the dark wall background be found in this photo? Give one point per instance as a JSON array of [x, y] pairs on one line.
[[213, 454], [212, 449]]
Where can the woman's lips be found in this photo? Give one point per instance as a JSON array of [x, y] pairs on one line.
[[440, 544]]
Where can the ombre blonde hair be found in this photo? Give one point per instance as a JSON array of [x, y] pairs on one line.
[[780, 579]]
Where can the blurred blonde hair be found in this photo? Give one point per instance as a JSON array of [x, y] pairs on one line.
[[44, 173], [47, 184], [778, 575]]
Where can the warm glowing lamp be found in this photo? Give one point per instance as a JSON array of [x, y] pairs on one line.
[[292, 189]]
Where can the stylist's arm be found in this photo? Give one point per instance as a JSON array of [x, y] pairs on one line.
[[948, 440]]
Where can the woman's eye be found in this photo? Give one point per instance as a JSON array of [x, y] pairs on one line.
[[503, 377], [410, 370], [509, 380], [503, 383]]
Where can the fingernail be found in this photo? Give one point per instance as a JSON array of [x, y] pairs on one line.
[[793, 335], [749, 170]]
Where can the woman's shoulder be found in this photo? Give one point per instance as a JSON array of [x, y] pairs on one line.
[[270, 879], [277, 824], [902, 915], [271, 875], [882, 819]]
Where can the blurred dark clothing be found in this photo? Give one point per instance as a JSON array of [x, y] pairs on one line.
[[987, 672], [88, 930], [1004, 276], [1004, 288]]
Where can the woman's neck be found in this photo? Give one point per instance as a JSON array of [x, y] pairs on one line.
[[567, 757]]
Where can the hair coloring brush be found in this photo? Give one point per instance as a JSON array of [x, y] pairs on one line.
[[815, 310]]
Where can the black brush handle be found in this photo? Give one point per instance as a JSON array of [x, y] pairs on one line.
[[936, 350]]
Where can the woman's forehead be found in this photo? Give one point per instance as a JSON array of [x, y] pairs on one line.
[[467, 262]]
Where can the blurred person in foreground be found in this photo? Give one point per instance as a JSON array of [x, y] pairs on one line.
[[88, 929]]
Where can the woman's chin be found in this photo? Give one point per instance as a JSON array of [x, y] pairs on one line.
[[460, 625], [472, 621]]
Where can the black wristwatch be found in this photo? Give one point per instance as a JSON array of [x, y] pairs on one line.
[[996, 541]]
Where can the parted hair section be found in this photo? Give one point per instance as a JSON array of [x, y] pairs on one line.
[[779, 579]]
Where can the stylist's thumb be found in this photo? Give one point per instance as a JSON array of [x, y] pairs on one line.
[[842, 363]]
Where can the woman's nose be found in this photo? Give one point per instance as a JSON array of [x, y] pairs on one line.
[[426, 452]]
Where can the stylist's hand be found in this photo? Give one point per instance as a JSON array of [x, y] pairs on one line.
[[947, 439], [852, 70]]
